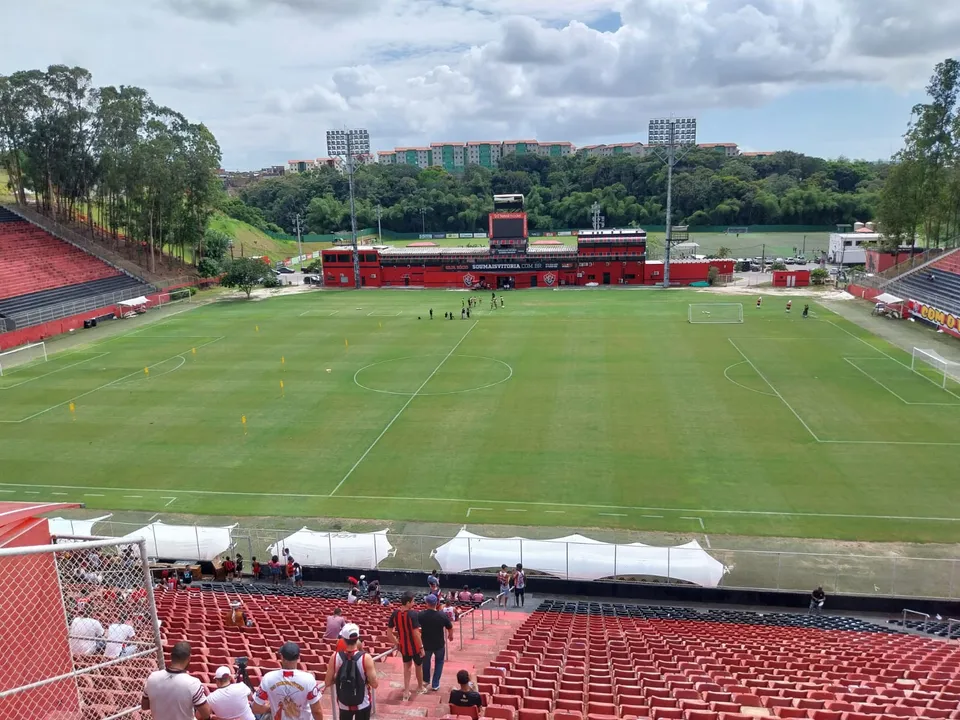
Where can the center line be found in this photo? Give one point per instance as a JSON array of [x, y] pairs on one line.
[[405, 406]]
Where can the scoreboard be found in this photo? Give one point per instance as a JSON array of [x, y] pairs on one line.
[[508, 226]]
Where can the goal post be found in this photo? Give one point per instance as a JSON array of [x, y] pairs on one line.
[[698, 313], [932, 366], [23, 355]]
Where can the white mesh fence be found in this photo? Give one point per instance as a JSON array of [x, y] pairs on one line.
[[23, 355], [79, 633]]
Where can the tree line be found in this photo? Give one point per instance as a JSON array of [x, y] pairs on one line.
[[786, 188], [110, 155], [921, 198]]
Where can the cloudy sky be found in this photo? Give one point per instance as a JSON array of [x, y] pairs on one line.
[[825, 77]]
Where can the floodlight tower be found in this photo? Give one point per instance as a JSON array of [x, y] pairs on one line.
[[350, 144], [671, 139], [598, 221]]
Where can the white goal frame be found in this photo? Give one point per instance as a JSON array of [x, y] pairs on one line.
[[931, 358], [6, 362], [715, 313]]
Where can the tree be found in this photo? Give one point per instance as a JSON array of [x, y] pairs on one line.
[[819, 276], [244, 274], [778, 266], [216, 244], [724, 252]]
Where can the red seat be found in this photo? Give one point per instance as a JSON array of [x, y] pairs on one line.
[[470, 712], [500, 711]]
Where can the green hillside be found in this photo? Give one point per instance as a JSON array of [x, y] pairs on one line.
[[248, 240]]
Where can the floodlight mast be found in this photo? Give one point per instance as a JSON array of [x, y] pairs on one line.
[[671, 139], [349, 144]]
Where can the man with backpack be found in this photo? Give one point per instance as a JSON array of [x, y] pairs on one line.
[[351, 671]]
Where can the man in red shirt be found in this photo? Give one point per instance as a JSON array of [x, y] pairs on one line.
[[404, 631]]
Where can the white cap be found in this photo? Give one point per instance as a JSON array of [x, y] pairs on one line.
[[222, 672], [362, 577], [350, 630]]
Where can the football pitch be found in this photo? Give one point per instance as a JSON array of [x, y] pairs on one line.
[[571, 408]]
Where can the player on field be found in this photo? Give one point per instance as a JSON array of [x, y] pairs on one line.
[[789, 305], [759, 301]]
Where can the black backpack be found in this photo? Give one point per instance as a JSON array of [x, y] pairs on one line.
[[351, 688]]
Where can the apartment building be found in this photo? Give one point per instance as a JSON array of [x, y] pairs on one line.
[[555, 149], [450, 156], [728, 149], [519, 147], [757, 153]]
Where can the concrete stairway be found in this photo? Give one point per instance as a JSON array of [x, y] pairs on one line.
[[475, 655]]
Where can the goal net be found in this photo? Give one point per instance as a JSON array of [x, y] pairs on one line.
[[932, 366], [23, 355], [715, 313]]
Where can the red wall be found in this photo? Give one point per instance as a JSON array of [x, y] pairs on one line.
[[878, 261], [50, 329], [33, 635], [862, 292], [780, 278]]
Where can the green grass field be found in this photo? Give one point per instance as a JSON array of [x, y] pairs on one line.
[[577, 408]]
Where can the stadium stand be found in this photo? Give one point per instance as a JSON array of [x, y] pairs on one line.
[[599, 661], [39, 271], [949, 629], [937, 284]]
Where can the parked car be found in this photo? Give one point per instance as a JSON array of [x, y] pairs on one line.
[[284, 270]]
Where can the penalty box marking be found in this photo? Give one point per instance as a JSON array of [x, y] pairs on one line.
[[853, 361], [384, 313], [52, 372], [318, 313], [109, 384], [632, 508]]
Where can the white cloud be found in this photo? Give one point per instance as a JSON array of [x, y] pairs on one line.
[[270, 76]]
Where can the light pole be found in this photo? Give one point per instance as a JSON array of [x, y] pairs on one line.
[[599, 221], [379, 225], [671, 139], [299, 244], [423, 220], [350, 144]]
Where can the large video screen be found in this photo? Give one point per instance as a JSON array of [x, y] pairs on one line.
[[508, 228]]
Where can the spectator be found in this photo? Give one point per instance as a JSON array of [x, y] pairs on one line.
[[172, 694], [433, 583], [117, 635], [255, 567], [238, 567], [352, 597], [448, 610], [297, 575], [403, 629], [335, 624], [229, 568], [230, 701], [519, 581], [465, 595], [432, 626], [274, 567], [817, 598], [291, 569], [353, 673], [373, 591], [86, 635], [466, 696], [477, 596], [289, 693], [503, 577], [362, 585]]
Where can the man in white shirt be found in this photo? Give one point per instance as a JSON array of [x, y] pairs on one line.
[[230, 701], [85, 636], [117, 635], [289, 693], [172, 694]]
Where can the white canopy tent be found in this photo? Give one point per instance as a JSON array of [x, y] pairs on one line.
[[576, 557], [63, 527], [888, 299], [134, 302], [193, 542], [336, 549]]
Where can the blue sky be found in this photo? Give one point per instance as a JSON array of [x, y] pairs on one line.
[[269, 77]]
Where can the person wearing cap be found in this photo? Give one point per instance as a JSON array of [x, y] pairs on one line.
[[403, 629], [362, 585], [289, 693], [432, 626], [352, 652], [230, 701], [433, 582]]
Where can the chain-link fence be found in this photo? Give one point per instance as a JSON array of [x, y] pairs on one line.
[[79, 633]]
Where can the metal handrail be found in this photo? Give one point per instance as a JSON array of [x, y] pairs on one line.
[[925, 616], [950, 623]]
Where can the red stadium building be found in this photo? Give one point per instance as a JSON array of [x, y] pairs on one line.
[[598, 257]]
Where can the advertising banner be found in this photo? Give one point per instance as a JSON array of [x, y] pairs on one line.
[[427, 236], [452, 236], [466, 236], [565, 233], [434, 236], [946, 322], [480, 235]]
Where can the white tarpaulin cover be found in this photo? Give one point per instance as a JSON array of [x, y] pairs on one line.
[[888, 299], [580, 558], [336, 549], [79, 528], [135, 302], [184, 542]]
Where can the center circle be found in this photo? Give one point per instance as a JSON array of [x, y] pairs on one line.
[[405, 375]]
